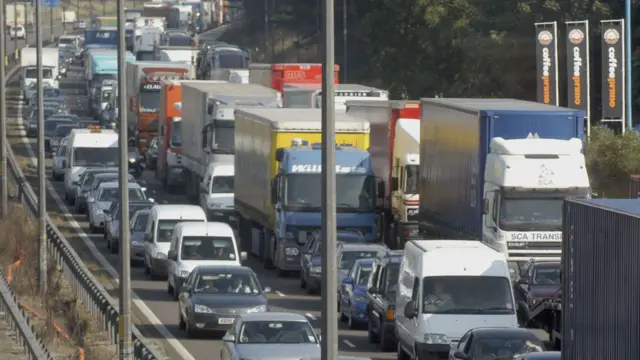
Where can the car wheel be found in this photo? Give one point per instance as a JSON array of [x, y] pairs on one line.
[[191, 331], [169, 287], [181, 324], [108, 243], [401, 354], [303, 284], [371, 335], [385, 343]]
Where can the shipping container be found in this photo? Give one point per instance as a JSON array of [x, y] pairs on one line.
[[601, 291]]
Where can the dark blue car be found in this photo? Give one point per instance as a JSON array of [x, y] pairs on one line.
[[353, 294]]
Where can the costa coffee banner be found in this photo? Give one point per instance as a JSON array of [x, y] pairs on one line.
[[612, 69], [578, 65], [547, 62]]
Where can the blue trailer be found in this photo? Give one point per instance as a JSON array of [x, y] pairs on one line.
[[489, 167], [101, 38]]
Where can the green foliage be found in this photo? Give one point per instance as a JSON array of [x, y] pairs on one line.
[[611, 159]]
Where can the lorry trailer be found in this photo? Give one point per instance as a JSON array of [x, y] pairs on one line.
[[310, 95], [276, 76], [277, 181], [497, 170]]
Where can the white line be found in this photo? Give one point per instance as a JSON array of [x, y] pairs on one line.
[[142, 307], [310, 316], [280, 294], [349, 343]]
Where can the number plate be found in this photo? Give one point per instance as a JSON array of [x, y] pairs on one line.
[[225, 321]]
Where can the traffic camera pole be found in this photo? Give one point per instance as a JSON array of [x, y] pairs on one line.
[[3, 120], [42, 179], [329, 345], [15, 22], [51, 23], [124, 342]]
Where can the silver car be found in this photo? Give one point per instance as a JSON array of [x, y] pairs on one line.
[[84, 184], [59, 158], [272, 335], [106, 194]]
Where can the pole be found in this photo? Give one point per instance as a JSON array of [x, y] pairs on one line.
[[104, 8], [15, 21], [344, 40], [3, 122], [42, 194], [627, 29], [125, 347], [51, 23], [266, 29], [329, 345]]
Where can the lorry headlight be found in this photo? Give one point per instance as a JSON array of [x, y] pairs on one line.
[[316, 269], [291, 251], [436, 339], [184, 273], [214, 206]]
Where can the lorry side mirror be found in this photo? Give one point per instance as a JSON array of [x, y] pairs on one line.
[[394, 184], [487, 206], [279, 154], [210, 108], [274, 191]]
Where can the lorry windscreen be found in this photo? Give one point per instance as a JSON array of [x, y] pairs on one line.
[[32, 73], [84, 156], [412, 178], [232, 60], [531, 214], [176, 134], [354, 193], [150, 101], [180, 40], [453, 295]]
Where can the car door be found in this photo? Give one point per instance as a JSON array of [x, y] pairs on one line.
[[148, 240], [347, 289], [378, 309], [59, 158], [228, 351], [183, 298]]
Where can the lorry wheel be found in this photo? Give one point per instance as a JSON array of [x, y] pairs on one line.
[[371, 335], [269, 263]]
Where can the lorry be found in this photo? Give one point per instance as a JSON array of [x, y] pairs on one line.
[[143, 94], [310, 95], [238, 76], [186, 54], [29, 72], [101, 96], [208, 123], [170, 14], [278, 174], [199, 15], [132, 14], [276, 76], [19, 14], [105, 38], [498, 171], [145, 38], [395, 156], [169, 163], [599, 275], [68, 17]]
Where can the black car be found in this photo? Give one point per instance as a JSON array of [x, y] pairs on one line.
[[213, 296], [111, 227], [381, 299], [495, 343], [32, 129], [538, 281], [50, 127]]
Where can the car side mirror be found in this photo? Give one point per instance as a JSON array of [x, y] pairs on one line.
[[58, 77], [410, 310], [459, 355], [229, 338], [243, 256], [143, 188], [319, 338], [487, 206], [347, 281]]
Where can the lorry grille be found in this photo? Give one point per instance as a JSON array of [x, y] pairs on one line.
[[517, 245], [412, 214], [296, 230]]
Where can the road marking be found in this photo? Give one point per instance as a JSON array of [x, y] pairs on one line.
[[310, 316], [280, 293], [348, 343], [142, 307]]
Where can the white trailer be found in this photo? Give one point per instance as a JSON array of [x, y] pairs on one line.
[[236, 76], [310, 95], [208, 122], [186, 54], [29, 73]]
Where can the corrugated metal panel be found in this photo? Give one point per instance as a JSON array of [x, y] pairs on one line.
[[601, 279]]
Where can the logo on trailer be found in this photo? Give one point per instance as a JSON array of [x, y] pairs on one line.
[[544, 179]]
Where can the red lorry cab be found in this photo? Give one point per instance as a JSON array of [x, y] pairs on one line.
[[170, 113], [297, 74]]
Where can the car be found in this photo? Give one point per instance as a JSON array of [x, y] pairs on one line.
[[311, 257], [538, 281], [276, 335], [33, 87], [48, 93], [61, 132], [545, 355], [59, 159], [84, 184], [381, 298], [353, 294], [151, 156], [50, 126], [105, 194], [138, 226], [32, 122], [495, 343], [215, 295], [348, 253], [17, 32], [112, 226]]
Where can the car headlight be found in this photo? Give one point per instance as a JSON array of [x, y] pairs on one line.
[[316, 269], [361, 298], [184, 273], [136, 243], [132, 160], [214, 206], [291, 251], [257, 309], [202, 309], [160, 255], [436, 339]]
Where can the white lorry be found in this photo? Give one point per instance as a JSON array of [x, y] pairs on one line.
[[186, 54], [310, 95], [236, 76], [208, 122], [147, 33], [29, 73]]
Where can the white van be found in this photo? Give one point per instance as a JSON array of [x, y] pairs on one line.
[[446, 288], [200, 244], [217, 193], [162, 221]]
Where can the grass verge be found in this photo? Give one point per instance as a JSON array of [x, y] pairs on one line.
[[65, 327]]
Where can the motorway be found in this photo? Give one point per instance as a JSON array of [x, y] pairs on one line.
[[156, 315]]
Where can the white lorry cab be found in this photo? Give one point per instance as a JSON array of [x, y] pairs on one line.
[[159, 232], [93, 147], [199, 244], [29, 71], [217, 193], [446, 288]]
